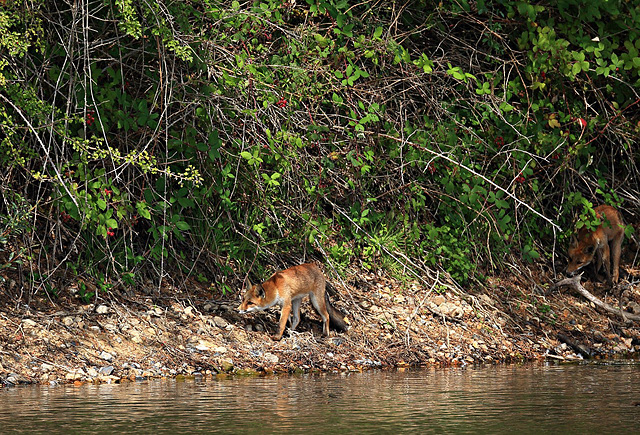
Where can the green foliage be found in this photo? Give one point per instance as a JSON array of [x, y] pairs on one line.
[[464, 136], [12, 225]]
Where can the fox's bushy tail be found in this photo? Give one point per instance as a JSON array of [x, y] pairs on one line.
[[336, 318]]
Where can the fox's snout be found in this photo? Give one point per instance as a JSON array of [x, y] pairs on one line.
[[572, 270], [249, 309]]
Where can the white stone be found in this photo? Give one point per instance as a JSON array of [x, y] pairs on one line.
[[28, 322], [102, 309], [106, 356]]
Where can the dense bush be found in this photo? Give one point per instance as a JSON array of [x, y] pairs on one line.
[[206, 138]]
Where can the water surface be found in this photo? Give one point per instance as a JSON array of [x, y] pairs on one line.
[[593, 398]]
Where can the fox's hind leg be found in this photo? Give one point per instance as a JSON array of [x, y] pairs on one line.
[[321, 308], [295, 313]]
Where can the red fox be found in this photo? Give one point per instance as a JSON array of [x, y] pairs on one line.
[[604, 243], [287, 288]]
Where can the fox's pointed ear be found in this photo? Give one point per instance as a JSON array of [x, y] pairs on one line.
[[259, 291], [573, 241], [247, 284]]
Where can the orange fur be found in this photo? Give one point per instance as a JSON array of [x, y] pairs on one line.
[[604, 244], [287, 288]]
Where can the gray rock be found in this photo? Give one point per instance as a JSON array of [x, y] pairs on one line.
[[271, 358], [68, 321], [336, 341], [75, 375], [106, 371], [110, 327], [227, 364], [106, 356], [46, 367], [439, 300], [227, 308], [487, 299], [220, 322]]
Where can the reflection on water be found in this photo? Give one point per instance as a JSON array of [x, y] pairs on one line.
[[594, 398]]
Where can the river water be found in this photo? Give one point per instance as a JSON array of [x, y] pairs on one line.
[[587, 398]]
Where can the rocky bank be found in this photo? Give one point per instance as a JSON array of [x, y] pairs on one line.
[[126, 337]]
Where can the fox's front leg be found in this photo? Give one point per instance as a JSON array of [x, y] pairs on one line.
[[616, 247], [284, 316]]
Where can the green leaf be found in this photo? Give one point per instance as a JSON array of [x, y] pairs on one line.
[[186, 202], [506, 107], [143, 210], [577, 68], [183, 226]]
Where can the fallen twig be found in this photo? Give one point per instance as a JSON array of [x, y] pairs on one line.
[[575, 283], [577, 347]]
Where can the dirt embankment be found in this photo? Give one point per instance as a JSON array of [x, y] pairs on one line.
[[170, 334]]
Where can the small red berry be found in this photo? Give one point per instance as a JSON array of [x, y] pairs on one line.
[[90, 118]]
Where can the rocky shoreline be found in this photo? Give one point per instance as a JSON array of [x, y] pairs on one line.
[[172, 334]]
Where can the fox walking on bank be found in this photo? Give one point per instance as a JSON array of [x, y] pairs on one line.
[[604, 244], [287, 288]]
